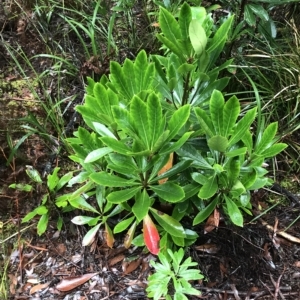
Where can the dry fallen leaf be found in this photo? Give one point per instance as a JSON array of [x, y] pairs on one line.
[[109, 237], [208, 248], [38, 287], [71, 283], [61, 248], [129, 267], [13, 283], [116, 259], [212, 222], [297, 264]]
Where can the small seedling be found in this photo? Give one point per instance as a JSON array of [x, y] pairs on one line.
[[173, 277]]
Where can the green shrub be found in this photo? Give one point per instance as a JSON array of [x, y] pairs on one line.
[[152, 108]]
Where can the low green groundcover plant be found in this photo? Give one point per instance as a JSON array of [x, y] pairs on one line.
[[173, 276], [157, 107]]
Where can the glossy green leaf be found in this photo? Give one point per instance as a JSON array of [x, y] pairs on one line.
[[216, 44], [205, 121], [128, 68], [209, 188], [234, 213], [237, 189], [199, 13], [42, 224], [94, 221], [117, 210], [206, 212], [141, 205], [81, 220], [33, 174], [122, 118], [200, 178], [90, 86], [190, 152], [97, 154], [90, 235], [83, 189], [185, 17], [180, 210], [53, 179], [103, 100], [117, 146], [248, 141], [80, 203], [88, 139], [59, 223], [169, 26], [160, 162], [249, 16], [119, 79], [236, 152], [123, 195], [249, 178], [274, 150], [80, 178], [29, 216], [21, 187], [178, 119], [62, 201], [245, 201], [138, 112], [138, 241], [204, 94], [268, 28], [216, 111], [233, 170], [191, 234], [242, 127], [176, 169], [154, 115], [106, 179], [259, 11], [179, 241], [103, 130], [172, 147], [258, 184], [64, 180], [218, 143], [190, 190], [168, 223], [122, 160], [231, 112], [174, 47], [186, 68], [144, 72], [197, 36], [267, 138], [169, 191], [256, 162]]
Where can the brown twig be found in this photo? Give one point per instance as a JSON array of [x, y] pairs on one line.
[[277, 287]]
